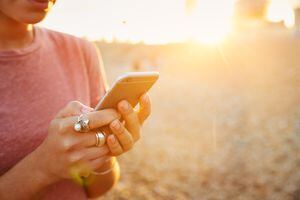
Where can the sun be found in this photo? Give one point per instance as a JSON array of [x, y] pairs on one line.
[[211, 21]]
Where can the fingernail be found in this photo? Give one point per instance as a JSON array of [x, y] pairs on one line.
[[115, 124], [124, 106], [112, 139]]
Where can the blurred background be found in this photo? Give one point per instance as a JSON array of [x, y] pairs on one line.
[[226, 111]]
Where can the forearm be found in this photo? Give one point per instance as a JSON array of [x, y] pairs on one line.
[[97, 185], [24, 180]]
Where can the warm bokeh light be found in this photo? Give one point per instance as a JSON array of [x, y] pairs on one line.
[[129, 20], [209, 20], [155, 22], [281, 10]]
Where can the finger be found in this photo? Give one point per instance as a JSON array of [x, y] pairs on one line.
[[145, 108], [83, 169], [78, 141], [124, 137], [106, 130], [131, 119], [97, 119], [97, 163], [88, 154], [114, 145], [102, 118], [86, 139], [73, 108]]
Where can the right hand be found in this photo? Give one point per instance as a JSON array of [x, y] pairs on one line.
[[65, 151]]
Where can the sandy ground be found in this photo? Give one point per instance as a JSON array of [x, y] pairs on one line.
[[225, 122]]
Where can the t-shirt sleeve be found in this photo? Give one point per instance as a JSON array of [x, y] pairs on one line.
[[97, 78]]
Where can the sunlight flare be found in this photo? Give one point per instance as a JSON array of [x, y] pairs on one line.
[[211, 21], [205, 21], [279, 10]]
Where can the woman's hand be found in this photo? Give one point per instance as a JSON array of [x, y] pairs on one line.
[[126, 134], [65, 151]]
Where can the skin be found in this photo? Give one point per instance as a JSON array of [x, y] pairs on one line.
[[66, 154], [122, 139]]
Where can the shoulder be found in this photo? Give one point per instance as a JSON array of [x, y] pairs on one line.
[[67, 42]]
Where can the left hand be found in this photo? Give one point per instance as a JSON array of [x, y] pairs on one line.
[[126, 134]]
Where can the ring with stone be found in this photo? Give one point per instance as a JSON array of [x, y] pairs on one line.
[[82, 124]]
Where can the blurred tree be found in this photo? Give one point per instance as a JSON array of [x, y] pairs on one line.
[[251, 8]]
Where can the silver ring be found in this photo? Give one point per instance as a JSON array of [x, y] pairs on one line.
[[82, 124], [100, 139]]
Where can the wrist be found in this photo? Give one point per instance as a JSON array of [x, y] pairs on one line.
[[99, 184], [39, 169]]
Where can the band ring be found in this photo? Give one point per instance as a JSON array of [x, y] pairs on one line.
[[82, 124], [100, 139]]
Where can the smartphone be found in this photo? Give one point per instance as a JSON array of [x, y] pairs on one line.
[[130, 86]]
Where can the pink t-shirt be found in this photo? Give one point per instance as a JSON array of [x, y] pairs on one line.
[[35, 83]]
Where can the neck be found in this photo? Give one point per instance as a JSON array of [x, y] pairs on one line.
[[13, 34]]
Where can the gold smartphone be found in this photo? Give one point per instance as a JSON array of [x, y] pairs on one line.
[[130, 86]]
